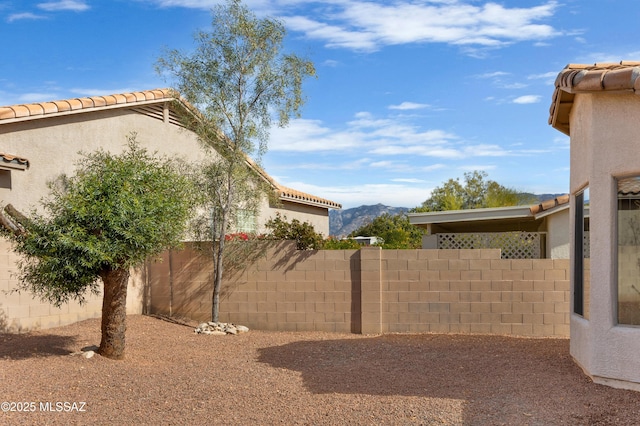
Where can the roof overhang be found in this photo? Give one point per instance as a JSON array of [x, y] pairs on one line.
[[26, 112], [515, 213], [291, 195], [13, 162], [622, 77], [471, 215]]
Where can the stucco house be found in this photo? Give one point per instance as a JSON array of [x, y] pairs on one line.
[[598, 107], [539, 231], [40, 141]]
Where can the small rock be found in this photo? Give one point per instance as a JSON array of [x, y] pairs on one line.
[[88, 354], [220, 328]]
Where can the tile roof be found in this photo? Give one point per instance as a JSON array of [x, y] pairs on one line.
[[288, 194], [549, 204], [13, 161], [25, 112], [580, 78], [629, 186]]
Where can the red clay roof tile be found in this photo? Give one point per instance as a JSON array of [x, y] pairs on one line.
[[9, 158], [63, 106], [6, 113], [549, 204], [581, 78], [35, 109], [21, 111]]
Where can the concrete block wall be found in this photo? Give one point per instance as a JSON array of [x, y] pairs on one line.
[[23, 312], [285, 289], [473, 291], [373, 291]]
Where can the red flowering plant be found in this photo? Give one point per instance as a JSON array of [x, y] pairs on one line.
[[237, 236], [243, 236]]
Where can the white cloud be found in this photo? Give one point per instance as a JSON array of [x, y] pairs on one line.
[[375, 137], [101, 92], [37, 97], [513, 86], [543, 76], [331, 63], [369, 26], [527, 99], [408, 180], [404, 106], [355, 195], [474, 167], [23, 16], [493, 74], [74, 5]]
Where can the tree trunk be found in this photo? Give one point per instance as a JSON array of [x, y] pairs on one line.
[[114, 312], [217, 279]]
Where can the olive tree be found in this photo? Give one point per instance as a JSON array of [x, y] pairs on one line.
[[110, 216], [241, 82]]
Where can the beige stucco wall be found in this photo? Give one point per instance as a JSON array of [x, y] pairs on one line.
[[604, 146], [52, 145], [558, 235], [22, 312], [316, 216]]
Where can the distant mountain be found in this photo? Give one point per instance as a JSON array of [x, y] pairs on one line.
[[344, 222], [545, 197]]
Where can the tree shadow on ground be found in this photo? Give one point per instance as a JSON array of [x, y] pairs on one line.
[[484, 371], [24, 346], [430, 365]]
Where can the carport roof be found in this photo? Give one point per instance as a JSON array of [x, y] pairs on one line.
[[532, 212]]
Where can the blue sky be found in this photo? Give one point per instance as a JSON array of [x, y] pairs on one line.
[[409, 93]]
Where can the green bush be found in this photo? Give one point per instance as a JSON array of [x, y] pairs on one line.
[[336, 244], [302, 233]]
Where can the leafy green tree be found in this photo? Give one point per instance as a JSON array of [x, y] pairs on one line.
[[241, 82], [113, 214], [396, 232], [343, 244], [477, 192], [303, 233]]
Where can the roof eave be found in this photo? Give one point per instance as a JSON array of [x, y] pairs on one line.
[[551, 211], [471, 215], [13, 166], [313, 203]]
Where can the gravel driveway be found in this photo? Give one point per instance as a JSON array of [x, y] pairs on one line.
[[171, 376]]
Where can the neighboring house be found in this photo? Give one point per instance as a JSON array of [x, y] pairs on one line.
[[50, 135], [598, 107], [535, 231]]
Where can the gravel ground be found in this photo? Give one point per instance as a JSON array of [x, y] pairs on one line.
[[172, 376]]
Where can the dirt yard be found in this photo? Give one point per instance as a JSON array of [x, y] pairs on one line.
[[172, 376]]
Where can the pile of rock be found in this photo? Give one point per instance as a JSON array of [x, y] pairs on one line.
[[220, 328]]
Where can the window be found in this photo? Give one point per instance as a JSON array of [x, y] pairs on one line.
[[629, 250], [581, 266], [246, 221]]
